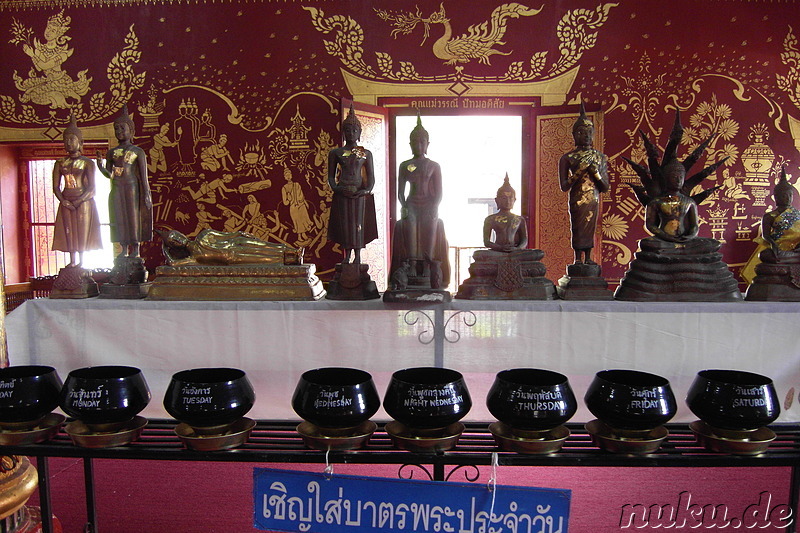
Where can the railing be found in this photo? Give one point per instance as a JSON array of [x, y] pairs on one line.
[[460, 260], [18, 293]]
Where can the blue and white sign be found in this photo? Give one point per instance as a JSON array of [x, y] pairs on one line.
[[319, 503]]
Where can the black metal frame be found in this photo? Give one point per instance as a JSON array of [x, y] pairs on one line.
[[278, 442]]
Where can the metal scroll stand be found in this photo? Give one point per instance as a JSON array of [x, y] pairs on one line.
[[438, 333]]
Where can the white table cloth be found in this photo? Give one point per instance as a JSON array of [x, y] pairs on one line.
[[274, 342]]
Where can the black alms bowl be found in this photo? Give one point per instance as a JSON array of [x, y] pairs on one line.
[[27, 395], [630, 400], [104, 395], [531, 399], [427, 397], [209, 397], [733, 399], [336, 397]]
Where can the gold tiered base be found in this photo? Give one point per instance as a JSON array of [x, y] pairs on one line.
[[18, 480], [237, 282]]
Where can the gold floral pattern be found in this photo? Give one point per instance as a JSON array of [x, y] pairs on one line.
[[790, 83], [712, 118], [614, 226], [577, 33]]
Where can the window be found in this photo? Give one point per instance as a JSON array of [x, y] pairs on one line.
[[475, 153], [42, 215]]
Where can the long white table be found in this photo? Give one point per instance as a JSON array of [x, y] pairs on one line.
[[274, 342]]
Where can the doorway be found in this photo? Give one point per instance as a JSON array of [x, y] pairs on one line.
[[475, 153]]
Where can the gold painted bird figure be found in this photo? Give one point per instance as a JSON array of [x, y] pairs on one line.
[[477, 43]]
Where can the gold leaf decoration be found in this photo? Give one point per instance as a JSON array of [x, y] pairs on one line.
[[384, 63], [516, 71], [577, 32], [348, 38], [123, 80], [614, 226], [791, 58]]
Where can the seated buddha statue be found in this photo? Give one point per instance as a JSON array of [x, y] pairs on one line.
[[506, 270], [672, 217], [780, 228], [675, 264], [777, 276], [505, 234]]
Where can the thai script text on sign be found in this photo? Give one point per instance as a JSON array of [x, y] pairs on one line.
[[319, 503]]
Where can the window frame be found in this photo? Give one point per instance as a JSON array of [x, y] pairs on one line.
[[26, 154]]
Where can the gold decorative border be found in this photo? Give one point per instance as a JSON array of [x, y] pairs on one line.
[[552, 92], [101, 132], [18, 5]]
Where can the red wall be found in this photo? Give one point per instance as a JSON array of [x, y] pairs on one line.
[[257, 66]]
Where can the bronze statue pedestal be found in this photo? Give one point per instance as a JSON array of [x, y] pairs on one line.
[[775, 282], [237, 282], [517, 275], [583, 282], [130, 291], [352, 282], [668, 272], [127, 280], [415, 280], [74, 282]]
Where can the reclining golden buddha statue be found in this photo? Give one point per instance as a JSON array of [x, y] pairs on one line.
[[221, 265], [212, 247]]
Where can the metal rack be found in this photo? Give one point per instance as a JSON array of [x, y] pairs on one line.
[[278, 442]]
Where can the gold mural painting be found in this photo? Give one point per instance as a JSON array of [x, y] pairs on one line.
[[225, 177], [203, 158], [645, 96]]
